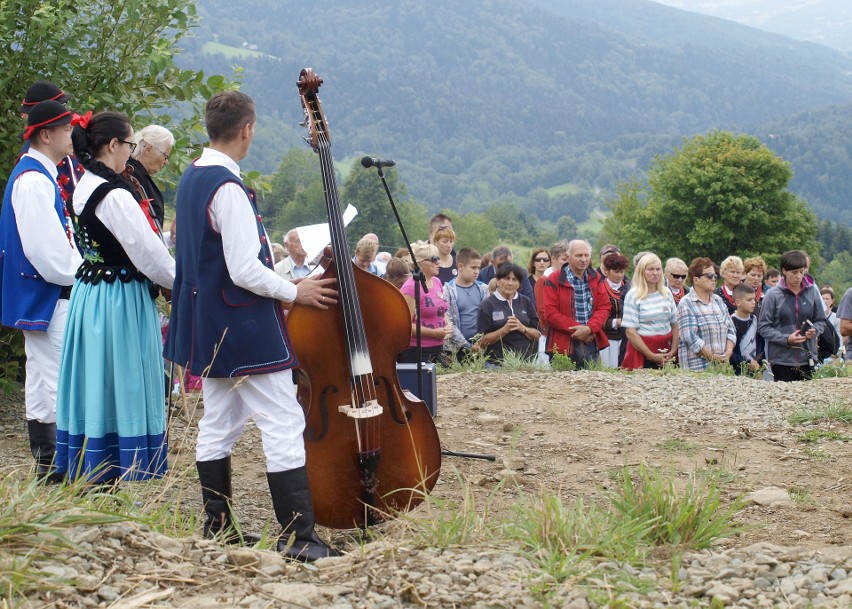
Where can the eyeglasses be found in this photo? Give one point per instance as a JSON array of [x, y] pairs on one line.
[[712, 276], [678, 276], [131, 144], [542, 259], [433, 259], [165, 156]]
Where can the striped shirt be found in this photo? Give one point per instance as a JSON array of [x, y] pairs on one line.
[[702, 324], [652, 316]]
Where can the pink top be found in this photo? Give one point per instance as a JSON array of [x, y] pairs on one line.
[[433, 310]]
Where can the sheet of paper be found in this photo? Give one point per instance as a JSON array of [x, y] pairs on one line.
[[315, 237]]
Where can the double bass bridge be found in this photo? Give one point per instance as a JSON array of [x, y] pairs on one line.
[[371, 408]]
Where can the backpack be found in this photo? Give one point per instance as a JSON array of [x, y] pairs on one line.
[[828, 342]]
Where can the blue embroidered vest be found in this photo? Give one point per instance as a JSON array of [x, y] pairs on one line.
[[27, 301], [218, 329]]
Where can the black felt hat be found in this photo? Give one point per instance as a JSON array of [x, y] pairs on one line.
[[48, 113], [42, 90]]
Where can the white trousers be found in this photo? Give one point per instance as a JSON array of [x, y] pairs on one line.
[[44, 352], [609, 356], [271, 400]]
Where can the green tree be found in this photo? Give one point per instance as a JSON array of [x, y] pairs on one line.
[[566, 228], [365, 191], [717, 195], [295, 196], [837, 274], [476, 231], [107, 55]]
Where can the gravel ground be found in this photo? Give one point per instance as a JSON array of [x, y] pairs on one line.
[[566, 432]]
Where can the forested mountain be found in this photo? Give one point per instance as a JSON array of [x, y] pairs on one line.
[[818, 144], [827, 22], [489, 100]]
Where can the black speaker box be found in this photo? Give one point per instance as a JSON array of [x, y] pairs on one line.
[[407, 374]]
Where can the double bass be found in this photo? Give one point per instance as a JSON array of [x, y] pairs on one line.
[[372, 449]]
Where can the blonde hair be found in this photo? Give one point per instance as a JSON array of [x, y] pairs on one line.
[[640, 284], [675, 263], [731, 262], [367, 247], [423, 250]]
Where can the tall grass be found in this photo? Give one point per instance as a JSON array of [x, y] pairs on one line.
[[835, 411], [37, 521], [580, 541], [692, 518]]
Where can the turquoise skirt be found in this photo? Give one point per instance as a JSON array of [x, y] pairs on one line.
[[110, 408]]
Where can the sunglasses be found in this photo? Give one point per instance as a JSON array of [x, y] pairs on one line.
[[712, 276], [542, 259], [434, 259], [678, 276]]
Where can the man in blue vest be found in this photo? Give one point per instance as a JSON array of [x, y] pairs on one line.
[[227, 326], [38, 261]]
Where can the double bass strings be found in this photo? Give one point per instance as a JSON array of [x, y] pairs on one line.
[[361, 377]]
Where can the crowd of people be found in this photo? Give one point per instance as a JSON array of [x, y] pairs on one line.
[[85, 256], [776, 324]]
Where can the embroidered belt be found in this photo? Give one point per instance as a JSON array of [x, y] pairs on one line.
[[95, 273]]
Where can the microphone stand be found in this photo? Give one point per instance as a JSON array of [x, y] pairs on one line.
[[420, 280], [419, 283]]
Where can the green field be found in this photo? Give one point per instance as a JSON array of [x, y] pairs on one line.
[[568, 188], [213, 48], [590, 228]]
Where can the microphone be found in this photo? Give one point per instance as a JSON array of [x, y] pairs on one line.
[[369, 161]]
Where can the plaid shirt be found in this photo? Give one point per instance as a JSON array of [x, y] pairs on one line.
[[702, 324], [583, 300]]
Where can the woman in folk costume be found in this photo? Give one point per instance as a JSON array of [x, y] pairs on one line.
[[111, 418]]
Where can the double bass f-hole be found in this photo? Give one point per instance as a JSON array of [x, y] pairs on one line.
[[371, 451]]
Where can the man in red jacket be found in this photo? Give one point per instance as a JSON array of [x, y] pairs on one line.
[[575, 307]]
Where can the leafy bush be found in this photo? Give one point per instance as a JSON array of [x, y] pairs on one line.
[[12, 359]]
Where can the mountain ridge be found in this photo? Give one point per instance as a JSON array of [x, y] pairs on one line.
[[490, 99]]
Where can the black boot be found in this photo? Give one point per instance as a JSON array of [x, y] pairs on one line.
[[43, 447], [215, 478], [294, 509]]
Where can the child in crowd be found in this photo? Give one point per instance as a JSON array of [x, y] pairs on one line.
[[464, 295], [748, 350], [773, 276]]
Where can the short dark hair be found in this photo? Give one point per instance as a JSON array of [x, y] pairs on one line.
[[827, 289], [510, 268], [794, 259], [770, 273], [226, 113], [697, 266], [500, 251], [615, 262], [440, 218], [742, 290], [466, 254]]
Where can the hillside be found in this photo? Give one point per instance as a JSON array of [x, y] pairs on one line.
[[827, 22], [482, 100]]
